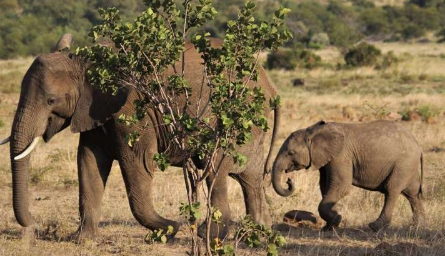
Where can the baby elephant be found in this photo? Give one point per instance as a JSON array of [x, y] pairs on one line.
[[378, 156]]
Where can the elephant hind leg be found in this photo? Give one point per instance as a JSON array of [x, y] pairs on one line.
[[388, 208], [254, 197], [415, 199]]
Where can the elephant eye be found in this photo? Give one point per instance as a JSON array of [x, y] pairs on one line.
[[51, 101], [291, 152]]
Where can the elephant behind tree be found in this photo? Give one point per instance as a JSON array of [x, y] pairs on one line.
[[378, 156], [55, 94]]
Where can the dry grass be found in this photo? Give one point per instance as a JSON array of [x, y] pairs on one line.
[[54, 188]]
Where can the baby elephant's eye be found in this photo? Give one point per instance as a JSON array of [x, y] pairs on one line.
[[291, 152]]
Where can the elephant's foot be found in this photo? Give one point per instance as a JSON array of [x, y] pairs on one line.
[[28, 237], [216, 230], [28, 233], [332, 225], [378, 225], [418, 223], [82, 234], [419, 220]]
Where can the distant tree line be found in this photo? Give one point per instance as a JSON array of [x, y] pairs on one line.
[[30, 27]]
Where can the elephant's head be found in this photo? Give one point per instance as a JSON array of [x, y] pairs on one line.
[[311, 147], [54, 95]]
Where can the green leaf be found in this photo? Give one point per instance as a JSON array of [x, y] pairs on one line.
[[272, 250], [249, 5], [275, 102], [170, 230], [227, 122], [216, 215], [240, 159], [162, 160], [228, 250], [168, 119]]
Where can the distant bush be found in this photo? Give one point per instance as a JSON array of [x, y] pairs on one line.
[[344, 23], [299, 31], [282, 59], [319, 40], [413, 31], [362, 55], [426, 113], [441, 36], [375, 21], [289, 59], [386, 61], [363, 3], [309, 60]]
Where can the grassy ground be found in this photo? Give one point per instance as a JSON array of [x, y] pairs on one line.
[[416, 82]]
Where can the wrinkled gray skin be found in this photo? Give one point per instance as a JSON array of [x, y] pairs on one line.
[[378, 156], [55, 95]]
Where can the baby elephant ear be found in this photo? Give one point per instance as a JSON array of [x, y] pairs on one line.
[[326, 142], [64, 43]]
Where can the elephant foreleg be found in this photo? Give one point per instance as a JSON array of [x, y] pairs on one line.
[[333, 186], [138, 182], [94, 166]]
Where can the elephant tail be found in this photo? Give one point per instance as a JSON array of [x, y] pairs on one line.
[[276, 124], [421, 175]]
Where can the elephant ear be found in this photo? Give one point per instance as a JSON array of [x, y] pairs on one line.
[[326, 142], [64, 43], [95, 107]]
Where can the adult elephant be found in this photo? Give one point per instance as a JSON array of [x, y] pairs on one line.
[[55, 94]]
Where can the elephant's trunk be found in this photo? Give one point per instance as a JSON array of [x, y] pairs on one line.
[[21, 137], [277, 176]]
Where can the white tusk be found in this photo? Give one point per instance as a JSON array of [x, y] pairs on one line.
[[28, 150], [5, 141]]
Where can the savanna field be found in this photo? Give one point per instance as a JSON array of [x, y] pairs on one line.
[[413, 89]]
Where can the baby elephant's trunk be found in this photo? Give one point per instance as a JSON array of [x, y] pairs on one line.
[[277, 176]]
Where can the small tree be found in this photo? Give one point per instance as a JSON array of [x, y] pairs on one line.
[[141, 53]]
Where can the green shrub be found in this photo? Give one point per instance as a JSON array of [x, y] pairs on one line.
[[309, 60], [375, 21], [289, 59], [341, 34], [427, 111], [441, 36], [412, 31], [423, 77], [407, 78], [299, 31], [363, 3], [386, 61], [405, 113], [282, 59], [362, 55], [319, 40]]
